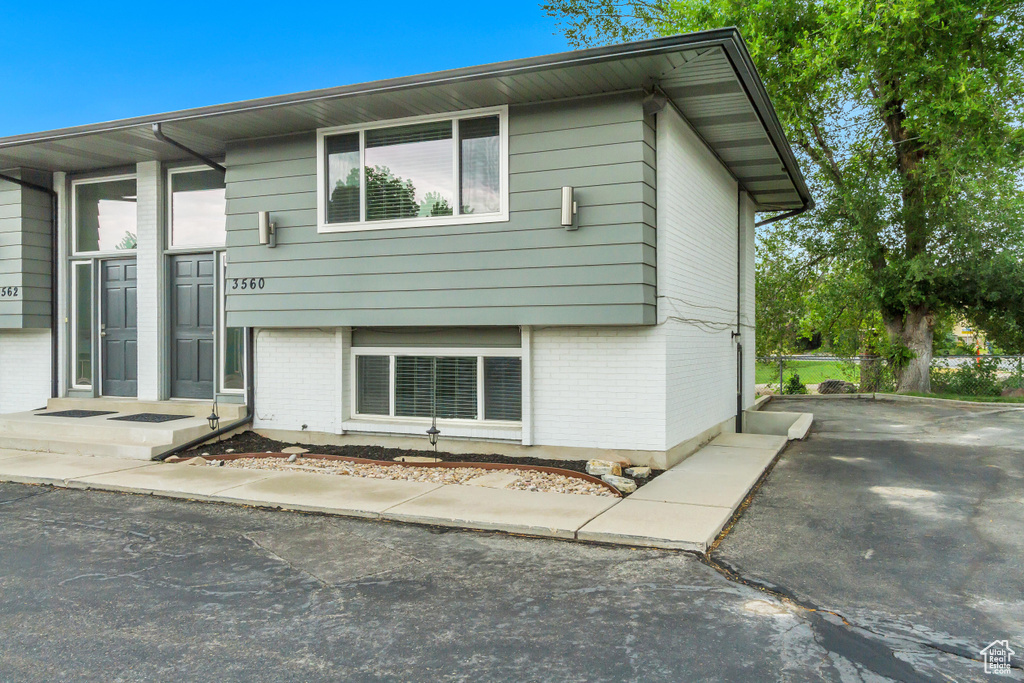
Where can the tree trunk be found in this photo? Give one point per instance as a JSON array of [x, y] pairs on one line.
[[914, 330]]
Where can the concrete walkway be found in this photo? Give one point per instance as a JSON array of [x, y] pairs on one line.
[[684, 508]]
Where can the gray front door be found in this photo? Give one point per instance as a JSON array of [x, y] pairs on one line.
[[119, 329], [193, 313]]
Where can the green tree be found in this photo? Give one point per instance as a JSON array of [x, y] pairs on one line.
[[128, 242], [388, 196], [907, 115], [434, 204]]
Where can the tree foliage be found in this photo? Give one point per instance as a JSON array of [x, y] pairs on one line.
[[907, 116]]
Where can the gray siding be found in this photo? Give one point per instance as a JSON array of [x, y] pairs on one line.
[[526, 271], [25, 252], [443, 337]]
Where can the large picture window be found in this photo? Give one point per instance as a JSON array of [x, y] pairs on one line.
[[416, 172], [454, 387], [105, 215]]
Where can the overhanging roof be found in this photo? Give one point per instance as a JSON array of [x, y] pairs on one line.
[[708, 76]]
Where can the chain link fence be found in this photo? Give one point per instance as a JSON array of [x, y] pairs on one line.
[[968, 376]]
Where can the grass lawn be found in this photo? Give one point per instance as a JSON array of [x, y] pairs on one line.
[[976, 399], [810, 371]]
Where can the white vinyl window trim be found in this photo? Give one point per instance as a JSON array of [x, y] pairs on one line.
[[169, 222], [73, 345], [391, 353], [74, 215], [419, 222], [222, 332]]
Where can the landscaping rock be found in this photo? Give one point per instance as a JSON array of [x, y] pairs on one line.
[[599, 468], [194, 461], [297, 450], [836, 386], [230, 450], [638, 472], [495, 480], [1013, 393], [293, 457], [623, 484], [524, 480]]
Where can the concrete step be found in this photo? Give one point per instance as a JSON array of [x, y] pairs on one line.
[[228, 412], [71, 446], [100, 435], [100, 428]]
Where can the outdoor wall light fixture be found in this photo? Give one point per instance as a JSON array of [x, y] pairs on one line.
[[214, 418], [433, 432], [569, 208], [268, 231]]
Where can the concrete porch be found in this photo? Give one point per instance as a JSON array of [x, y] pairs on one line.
[[106, 435]]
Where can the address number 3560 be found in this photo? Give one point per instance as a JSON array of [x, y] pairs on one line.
[[248, 283]]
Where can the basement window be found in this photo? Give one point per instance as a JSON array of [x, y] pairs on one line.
[[458, 387], [421, 171]]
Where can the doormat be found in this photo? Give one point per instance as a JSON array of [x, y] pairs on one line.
[[77, 413], [150, 417]]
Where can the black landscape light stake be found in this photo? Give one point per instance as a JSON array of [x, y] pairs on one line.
[[433, 432], [214, 418]]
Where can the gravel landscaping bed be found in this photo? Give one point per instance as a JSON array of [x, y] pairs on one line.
[[251, 442], [525, 480]]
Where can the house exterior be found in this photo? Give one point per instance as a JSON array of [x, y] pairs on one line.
[[363, 259]]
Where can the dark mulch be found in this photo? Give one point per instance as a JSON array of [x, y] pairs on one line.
[[251, 442]]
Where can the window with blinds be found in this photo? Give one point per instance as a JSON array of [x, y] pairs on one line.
[[374, 395], [427, 383], [447, 386], [503, 389], [446, 168]]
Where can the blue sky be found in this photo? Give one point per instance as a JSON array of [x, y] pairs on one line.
[[72, 63]]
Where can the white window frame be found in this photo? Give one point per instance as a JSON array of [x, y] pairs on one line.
[[74, 215], [426, 221], [169, 239], [221, 334], [392, 352], [74, 323]]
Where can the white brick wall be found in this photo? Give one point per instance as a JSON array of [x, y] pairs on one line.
[[749, 316], [599, 387], [24, 369], [150, 282], [298, 376], [697, 278]]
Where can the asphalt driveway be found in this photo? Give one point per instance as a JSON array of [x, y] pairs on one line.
[[907, 519], [883, 518]]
